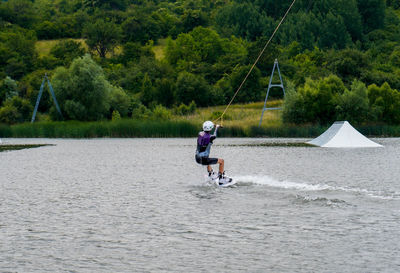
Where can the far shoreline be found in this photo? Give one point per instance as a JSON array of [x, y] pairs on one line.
[[130, 128]]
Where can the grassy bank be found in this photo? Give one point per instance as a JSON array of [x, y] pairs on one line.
[[123, 128], [241, 120], [163, 129], [135, 128], [238, 115]]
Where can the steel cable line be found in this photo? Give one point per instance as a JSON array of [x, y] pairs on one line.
[[258, 58]]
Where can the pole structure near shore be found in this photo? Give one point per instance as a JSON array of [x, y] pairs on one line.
[[40, 96], [271, 85]]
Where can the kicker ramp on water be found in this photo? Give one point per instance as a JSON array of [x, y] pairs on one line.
[[342, 135]]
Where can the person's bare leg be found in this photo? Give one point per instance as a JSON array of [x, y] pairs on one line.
[[221, 165], [209, 169]]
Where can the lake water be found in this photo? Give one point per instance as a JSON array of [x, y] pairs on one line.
[[141, 205]]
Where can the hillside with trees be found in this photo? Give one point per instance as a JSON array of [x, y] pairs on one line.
[[340, 59]]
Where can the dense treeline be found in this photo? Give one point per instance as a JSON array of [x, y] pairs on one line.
[[340, 58]]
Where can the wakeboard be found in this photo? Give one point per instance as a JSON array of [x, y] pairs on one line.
[[224, 183]]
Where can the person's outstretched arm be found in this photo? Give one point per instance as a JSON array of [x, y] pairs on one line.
[[214, 136]]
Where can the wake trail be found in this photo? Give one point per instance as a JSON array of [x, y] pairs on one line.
[[300, 186]]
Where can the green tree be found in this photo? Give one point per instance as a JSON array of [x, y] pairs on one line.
[[345, 9], [193, 18], [17, 52], [9, 114], [148, 92], [165, 91], [223, 91], [140, 28], [315, 102], [67, 50], [8, 89], [203, 51], [18, 12], [308, 64], [168, 22], [395, 57], [393, 3], [190, 87], [119, 101], [23, 106], [105, 4], [294, 110], [372, 13], [243, 20], [251, 90], [333, 32], [384, 103], [348, 64], [15, 109], [47, 30], [198, 46], [132, 52], [353, 105], [301, 27], [131, 77], [102, 36], [82, 90]]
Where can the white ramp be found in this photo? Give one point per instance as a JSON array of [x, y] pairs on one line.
[[342, 135]]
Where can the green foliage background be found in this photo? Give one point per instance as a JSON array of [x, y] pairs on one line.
[[340, 58]]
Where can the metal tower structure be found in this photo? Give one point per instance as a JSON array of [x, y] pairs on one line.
[[40, 96], [270, 85]]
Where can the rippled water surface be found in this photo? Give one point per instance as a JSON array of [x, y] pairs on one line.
[[141, 205]]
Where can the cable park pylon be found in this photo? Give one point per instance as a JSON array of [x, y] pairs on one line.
[[256, 61], [271, 85], [40, 96]]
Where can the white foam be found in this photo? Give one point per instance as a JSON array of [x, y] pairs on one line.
[[271, 182], [266, 180]]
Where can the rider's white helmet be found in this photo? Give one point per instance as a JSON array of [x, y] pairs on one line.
[[208, 126]]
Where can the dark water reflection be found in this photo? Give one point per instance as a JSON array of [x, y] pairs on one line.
[[140, 205]]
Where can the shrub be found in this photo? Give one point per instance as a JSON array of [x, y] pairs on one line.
[[192, 107], [115, 116], [8, 89], [384, 103], [9, 114], [183, 109], [293, 108], [353, 105], [141, 112], [119, 101], [23, 106], [161, 113], [315, 102]]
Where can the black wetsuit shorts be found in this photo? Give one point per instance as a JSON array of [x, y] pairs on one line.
[[206, 160]]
